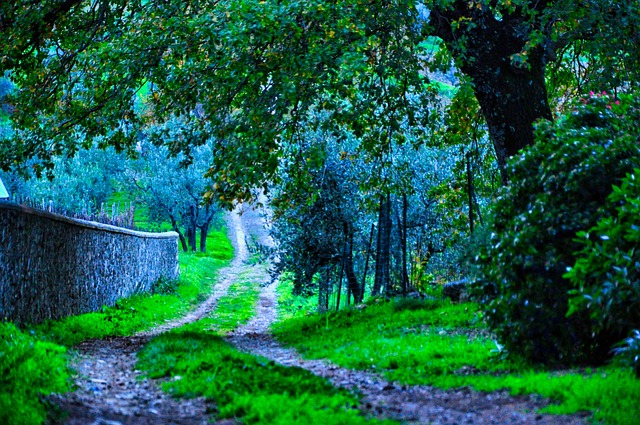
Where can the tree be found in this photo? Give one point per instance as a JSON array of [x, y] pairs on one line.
[[171, 189], [83, 184], [247, 73]]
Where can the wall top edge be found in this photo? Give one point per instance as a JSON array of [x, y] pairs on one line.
[[84, 223]]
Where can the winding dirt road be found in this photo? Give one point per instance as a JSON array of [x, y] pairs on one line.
[[112, 392]]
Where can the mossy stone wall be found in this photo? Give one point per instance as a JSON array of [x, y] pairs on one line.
[[52, 266]]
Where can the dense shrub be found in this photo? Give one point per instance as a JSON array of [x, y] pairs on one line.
[[29, 370], [558, 187], [607, 271]]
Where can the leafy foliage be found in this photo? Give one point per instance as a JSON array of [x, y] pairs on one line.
[[559, 187], [606, 274], [629, 351], [30, 369]]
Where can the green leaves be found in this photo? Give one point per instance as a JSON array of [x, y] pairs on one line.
[[559, 188], [606, 269]]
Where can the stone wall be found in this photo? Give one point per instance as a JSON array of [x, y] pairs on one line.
[[52, 266]]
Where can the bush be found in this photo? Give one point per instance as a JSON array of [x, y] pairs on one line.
[[628, 351], [607, 271], [29, 370], [558, 187]]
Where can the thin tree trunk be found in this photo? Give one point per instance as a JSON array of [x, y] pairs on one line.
[[204, 231], [323, 292], [381, 282], [387, 251], [344, 252], [352, 280], [191, 228], [405, 275], [176, 228], [366, 262]]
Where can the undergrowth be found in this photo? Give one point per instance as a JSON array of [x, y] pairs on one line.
[[446, 345], [290, 305]]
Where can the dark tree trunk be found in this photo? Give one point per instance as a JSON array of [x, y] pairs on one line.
[[176, 228], [204, 231], [323, 291], [344, 250], [191, 228], [209, 215], [510, 87], [366, 262], [352, 280], [381, 282], [403, 242]]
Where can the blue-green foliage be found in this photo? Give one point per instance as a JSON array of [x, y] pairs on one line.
[[29, 370], [558, 188]]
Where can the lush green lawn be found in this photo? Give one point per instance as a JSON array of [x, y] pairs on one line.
[[438, 343]]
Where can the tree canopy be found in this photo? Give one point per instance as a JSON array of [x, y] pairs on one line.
[[247, 73]]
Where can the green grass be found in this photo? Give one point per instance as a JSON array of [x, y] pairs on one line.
[[237, 307], [198, 362], [442, 344], [29, 370]]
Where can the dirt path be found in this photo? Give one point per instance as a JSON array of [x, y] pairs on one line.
[[110, 391], [383, 399]]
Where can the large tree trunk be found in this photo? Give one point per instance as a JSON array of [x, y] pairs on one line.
[[509, 85]]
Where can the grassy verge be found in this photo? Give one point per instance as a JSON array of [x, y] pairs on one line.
[[29, 369], [418, 342], [33, 360]]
